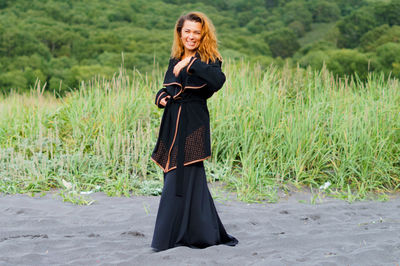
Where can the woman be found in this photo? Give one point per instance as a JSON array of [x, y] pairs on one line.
[[187, 215]]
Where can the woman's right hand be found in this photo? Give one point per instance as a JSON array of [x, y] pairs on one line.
[[163, 101]]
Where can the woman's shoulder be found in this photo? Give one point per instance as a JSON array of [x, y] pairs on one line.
[[217, 62], [214, 61]]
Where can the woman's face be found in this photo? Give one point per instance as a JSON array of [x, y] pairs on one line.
[[191, 35]]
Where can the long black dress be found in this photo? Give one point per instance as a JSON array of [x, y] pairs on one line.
[[191, 220], [187, 215]]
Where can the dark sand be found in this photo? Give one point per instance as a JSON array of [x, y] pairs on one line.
[[118, 231]]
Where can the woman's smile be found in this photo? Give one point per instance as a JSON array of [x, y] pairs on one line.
[[191, 35]]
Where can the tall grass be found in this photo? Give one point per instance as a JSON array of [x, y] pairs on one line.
[[269, 128], [99, 137]]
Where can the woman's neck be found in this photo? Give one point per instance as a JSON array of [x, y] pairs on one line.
[[188, 54]]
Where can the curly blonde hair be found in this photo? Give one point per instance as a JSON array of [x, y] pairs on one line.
[[208, 48]]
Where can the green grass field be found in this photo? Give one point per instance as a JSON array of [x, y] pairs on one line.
[[269, 127]]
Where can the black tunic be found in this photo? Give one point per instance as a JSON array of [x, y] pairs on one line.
[[184, 136]]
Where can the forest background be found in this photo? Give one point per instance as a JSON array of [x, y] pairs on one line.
[[64, 42]]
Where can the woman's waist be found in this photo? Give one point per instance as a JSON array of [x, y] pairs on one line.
[[187, 98]]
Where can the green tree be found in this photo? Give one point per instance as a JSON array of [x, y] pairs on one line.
[[257, 25], [368, 39], [349, 6], [3, 3], [388, 13], [354, 26], [379, 36], [271, 3], [298, 28], [16, 42], [282, 43], [297, 11], [314, 59], [13, 80], [388, 54], [349, 62], [324, 11]]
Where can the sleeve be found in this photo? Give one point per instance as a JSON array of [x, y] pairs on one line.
[[211, 73], [160, 95]]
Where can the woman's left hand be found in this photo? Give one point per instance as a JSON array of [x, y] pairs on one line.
[[180, 65]]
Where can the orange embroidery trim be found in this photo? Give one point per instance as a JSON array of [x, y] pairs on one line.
[[193, 87], [173, 141], [172, 83], [159, 98], [187, 70], [185, 164], [157, 164]]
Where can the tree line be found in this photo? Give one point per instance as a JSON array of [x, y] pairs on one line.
[[62, 43]]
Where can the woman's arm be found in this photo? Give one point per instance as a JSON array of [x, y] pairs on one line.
[[211, 73], [161, 98]]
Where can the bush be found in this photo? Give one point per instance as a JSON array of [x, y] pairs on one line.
[[14, 79], [297, 11], [256, 25], [298, 28], [388, 54], [389, 13], [354, 26], [379, 36], [282, 43], [324, 11], [348, 62], [315, 59]]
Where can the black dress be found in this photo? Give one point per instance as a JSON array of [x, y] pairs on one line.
[[187, 214], [190, 220]]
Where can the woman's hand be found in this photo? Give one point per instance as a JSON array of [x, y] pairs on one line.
[[163, 101], [180, 65]]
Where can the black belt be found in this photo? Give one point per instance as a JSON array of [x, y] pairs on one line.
[[182, 128]]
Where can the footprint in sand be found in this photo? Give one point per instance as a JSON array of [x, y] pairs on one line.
[[133, 233], [24, 236], [312, 217]]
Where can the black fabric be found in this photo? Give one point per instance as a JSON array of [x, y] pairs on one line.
[[191, 220], [194, 85], [181, 144]]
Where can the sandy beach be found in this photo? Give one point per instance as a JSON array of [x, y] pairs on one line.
[[118, 231]]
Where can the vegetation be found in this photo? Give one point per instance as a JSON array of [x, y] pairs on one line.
[[62, 43], [319, 95], [270, 128]]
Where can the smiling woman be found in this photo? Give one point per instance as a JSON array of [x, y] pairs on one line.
[[187, 215], [190, 36]]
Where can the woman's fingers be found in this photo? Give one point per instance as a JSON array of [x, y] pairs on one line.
[[177, 69], [179, 66], [163, 101]]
